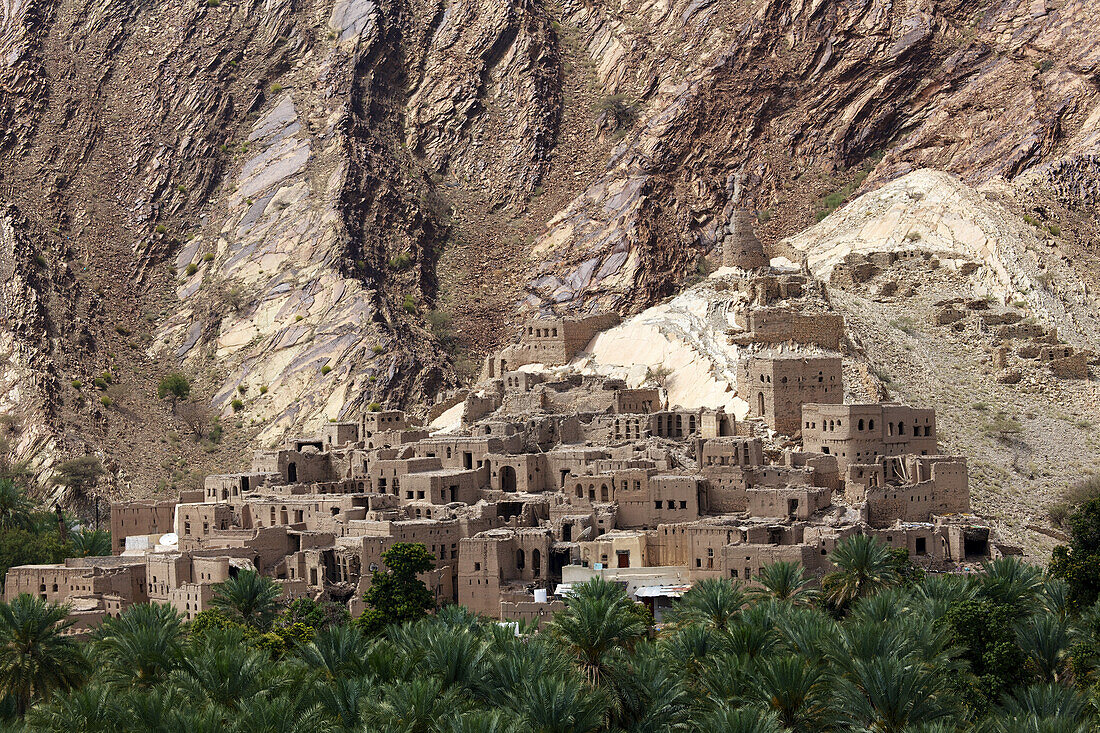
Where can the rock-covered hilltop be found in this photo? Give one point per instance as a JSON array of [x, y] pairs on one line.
[[312, 207]]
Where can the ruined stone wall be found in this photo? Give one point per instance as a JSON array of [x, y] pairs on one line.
[[725, 489], [134, 518], [787, 501], [637, 400], [780, 325]]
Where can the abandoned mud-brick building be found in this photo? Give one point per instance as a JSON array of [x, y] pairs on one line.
[[859, 433], [778, 386]]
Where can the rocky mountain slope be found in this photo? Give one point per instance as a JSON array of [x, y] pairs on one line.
[[311, 207]]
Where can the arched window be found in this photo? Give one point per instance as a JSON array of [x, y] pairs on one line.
[[859, 426], [536, 562], [521, 560]]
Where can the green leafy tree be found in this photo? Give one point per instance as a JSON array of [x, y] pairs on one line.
[[986, 632], [41, 545], [80, 475], [35, 657], [249, 599], [396, 595], [1079, 563], [175, 387]]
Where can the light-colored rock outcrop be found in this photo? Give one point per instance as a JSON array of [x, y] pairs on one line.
[[934, 212]]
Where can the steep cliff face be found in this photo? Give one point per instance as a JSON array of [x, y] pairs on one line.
[[312, 207], [249, 191], [811, 99]]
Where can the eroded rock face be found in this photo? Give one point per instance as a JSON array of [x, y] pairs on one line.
[[811, 89], [256, 189], [259, 192]]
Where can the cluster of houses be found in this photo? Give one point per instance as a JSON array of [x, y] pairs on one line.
[[550, 480]]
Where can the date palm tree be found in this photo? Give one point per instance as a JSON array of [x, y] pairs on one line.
[[249, 598], [712, 602], [36, 658], [337, 651], [221, 670], [598, 621], [344, 698], [785, 581], [141, 646], [1041, 708], [480, 721], [559, 705], [91, 708], [649, 696], [16, 510], [864, 566], [1011, 582], [279, 713], [91, 542], [411, 706], [740, 720], [1045, 639], [891, 695], [792, 688]]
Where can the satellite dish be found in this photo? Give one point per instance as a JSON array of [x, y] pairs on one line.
[[169, 539]]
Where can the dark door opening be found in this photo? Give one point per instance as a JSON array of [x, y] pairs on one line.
[[292, 472], [507, 478]]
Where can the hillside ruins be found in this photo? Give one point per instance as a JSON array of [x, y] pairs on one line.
[[544, 475]]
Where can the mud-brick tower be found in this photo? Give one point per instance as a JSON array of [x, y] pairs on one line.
[[741, 248]]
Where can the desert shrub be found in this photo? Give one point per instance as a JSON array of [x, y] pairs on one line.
[[237, 405], [232, 298], [618, 110], [196, 417]]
